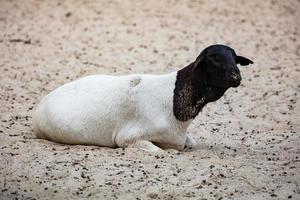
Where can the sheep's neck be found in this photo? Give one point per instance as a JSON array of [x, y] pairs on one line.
[[189, 96], [215, 93], [192, 93]]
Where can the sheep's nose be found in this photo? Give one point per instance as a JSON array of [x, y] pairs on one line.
[[235, 76], [235, 79]]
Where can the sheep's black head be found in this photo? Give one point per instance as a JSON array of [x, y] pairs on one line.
[[219, 63]]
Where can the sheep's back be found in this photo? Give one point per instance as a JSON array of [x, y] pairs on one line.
[[84, 111]]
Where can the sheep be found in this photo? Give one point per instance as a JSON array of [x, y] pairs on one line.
[[150, 112]]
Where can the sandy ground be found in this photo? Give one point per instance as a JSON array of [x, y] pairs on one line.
[[249, 141]]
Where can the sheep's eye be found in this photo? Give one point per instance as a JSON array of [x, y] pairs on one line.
[[216, 62], [215, 59]]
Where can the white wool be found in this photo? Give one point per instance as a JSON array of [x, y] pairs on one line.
[[113, 111]]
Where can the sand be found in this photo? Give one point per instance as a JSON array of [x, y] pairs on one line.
[[248, 141]]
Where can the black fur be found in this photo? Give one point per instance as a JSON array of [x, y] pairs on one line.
[[206, 80]]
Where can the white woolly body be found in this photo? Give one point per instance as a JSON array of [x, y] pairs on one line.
[[112, 111]]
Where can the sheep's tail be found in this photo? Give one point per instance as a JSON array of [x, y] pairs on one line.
[[40, 134], [36, 127]]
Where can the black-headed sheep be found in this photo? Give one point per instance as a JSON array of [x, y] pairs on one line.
[[145, 111]]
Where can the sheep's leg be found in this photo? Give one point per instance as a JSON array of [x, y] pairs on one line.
[[135, 139], [189, 142], [145, 145], [178, 147]]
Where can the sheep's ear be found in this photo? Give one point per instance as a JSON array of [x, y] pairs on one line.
[[243, 61]]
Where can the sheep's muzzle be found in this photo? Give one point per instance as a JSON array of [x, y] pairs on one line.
[[235, 79]]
